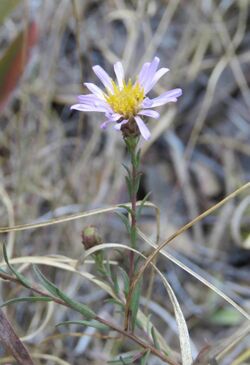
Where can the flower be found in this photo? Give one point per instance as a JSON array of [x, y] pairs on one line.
[[126, 103]]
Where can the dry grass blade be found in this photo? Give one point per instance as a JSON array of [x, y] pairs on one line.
[[198, 277], [72, 217], [183, 229]]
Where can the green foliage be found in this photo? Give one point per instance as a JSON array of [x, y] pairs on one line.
[[19, 276], [126, 358], [135, 301], [124, 220], [92, 323], [226, 317], [26, 299], [156, 343], [125, 278], [138, 215], [145, 357], [78, 307]]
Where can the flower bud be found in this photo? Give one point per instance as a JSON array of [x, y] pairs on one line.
[[90, 237]]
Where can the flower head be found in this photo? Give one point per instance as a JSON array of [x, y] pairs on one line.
[[126, 103]]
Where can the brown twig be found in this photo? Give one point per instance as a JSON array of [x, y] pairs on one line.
[[112, 326]]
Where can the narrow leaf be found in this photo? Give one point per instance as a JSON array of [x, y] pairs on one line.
[[125, 359], [142, 204], [128, 209], [19, 276], [93, 323], [127, 169], [114, 278], [124, 220], [145, 357], [135, 303], [26, 299], [81, 308], [154, 337], [125, 280]]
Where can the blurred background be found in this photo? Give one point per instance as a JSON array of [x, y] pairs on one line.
[[56, 162]]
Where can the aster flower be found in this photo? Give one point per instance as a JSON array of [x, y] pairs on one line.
[[125, 104]]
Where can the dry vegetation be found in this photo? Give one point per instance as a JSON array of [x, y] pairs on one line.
[[55, 163]]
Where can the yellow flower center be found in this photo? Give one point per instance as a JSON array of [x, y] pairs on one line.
[[126, 101]]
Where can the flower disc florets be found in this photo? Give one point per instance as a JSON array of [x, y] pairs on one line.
[[125, 103]]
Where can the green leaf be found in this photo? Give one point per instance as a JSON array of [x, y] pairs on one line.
[[226, 317], [135, 301], [26, 299], [19, 276], [114, 301], [155, 340], [126, 358], [114, 278], [93, 323], [137, 183], [129, 185], [144, 359], [78, 307], [125, 280], [133, 236], [142, 204], [138, 158], [124, 220], [128, 171], [6, 8], [128, 209]]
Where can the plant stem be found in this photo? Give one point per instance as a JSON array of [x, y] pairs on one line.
[[133, 198], [132, 189]]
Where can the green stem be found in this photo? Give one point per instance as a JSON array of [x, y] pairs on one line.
[[133, 229], [133, 189]]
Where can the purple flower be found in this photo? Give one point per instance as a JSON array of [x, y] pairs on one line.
[[125, 104]]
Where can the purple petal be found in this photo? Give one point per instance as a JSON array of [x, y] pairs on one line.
[[118, 126], [95, 90], [142, 128], [88, 108], [119, 72], [89, 99], [105, 124], [149, 113], [167, 97], [147, 103], [150, 73], [143, 72], [114, 117], [104, 77], [156, 78]]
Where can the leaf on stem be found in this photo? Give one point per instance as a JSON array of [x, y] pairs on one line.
[[135, 301], [125, 280], [142, 204], [78, 307], [19, 276], [155, 340], [92, 323], [127, 358], [144, 359], [26, 299], [127, 169], [124, 220]]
